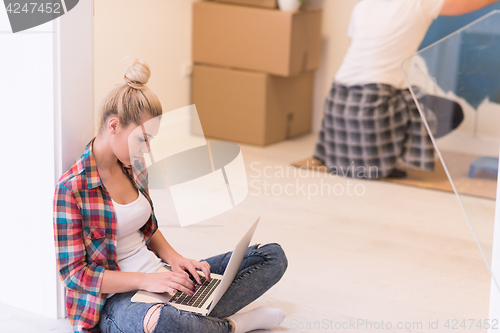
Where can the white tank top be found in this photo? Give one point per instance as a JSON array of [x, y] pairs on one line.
[[132, 252]]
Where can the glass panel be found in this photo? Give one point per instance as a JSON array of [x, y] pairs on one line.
[[456, 85], [190, 180]]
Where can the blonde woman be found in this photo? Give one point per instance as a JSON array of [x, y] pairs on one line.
[[108, 244]]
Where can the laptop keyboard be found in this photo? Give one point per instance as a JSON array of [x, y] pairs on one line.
[[203, 292]]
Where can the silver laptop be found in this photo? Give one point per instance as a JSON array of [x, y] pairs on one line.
[[210, 292]]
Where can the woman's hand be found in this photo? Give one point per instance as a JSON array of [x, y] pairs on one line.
[[180, 264], [168, 282]]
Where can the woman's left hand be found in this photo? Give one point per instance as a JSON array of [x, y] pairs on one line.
[[181, 264]]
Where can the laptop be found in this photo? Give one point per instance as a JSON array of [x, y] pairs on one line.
[[207, 294]]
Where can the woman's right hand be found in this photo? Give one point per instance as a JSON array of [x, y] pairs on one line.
[[168, 282]]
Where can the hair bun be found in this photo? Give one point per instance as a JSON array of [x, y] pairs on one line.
[[137, 74]]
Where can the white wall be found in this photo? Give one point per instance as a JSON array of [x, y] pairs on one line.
[[159, 31], [77, 86], [46, 92], [27, 168]]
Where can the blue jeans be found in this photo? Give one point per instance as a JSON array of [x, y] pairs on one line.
[[260, 269]]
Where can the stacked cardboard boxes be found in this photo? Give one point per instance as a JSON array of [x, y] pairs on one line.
[[253, 73]]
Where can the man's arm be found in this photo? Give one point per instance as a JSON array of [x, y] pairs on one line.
[[460, 7]]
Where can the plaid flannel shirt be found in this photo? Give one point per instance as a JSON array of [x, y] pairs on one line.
[[85, 237]]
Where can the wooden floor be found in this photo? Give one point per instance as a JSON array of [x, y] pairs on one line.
[[360, 252]]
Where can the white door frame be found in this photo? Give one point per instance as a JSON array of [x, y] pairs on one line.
[[74, 94]]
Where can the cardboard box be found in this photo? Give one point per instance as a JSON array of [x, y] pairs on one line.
[[270, 41], [271, 4], [251, 107]]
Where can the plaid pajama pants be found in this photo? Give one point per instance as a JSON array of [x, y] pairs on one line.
[[366, 128]]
